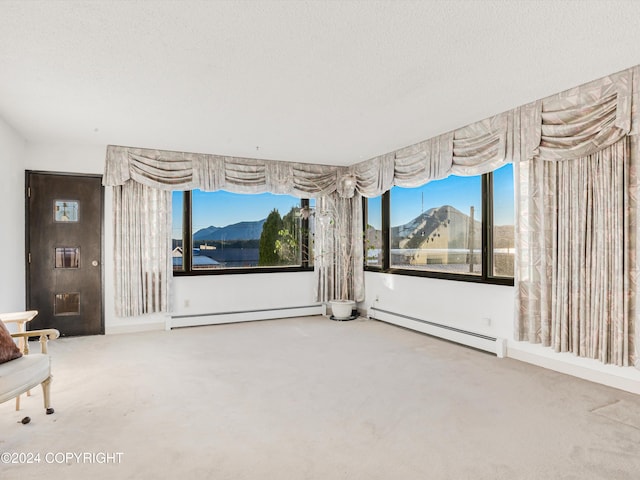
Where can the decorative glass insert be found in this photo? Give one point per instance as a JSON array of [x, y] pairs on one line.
[[67, 304], [66, 210], [67, 257]]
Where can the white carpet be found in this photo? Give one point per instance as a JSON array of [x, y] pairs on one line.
[[309, 398], [623, 411]]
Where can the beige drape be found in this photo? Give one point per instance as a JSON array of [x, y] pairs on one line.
[[166, 170], [576, 268], [577, 217], [473, 150]]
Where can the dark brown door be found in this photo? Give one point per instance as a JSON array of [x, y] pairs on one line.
[[64, 246]]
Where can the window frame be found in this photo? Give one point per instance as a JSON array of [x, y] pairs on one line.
[[486, 275], [187, 249]]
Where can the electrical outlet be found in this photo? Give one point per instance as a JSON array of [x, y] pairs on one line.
[[486, 321], [377, 298], [187, 303]]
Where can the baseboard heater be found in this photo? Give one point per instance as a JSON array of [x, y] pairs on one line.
[[215, 318], [464, 337]]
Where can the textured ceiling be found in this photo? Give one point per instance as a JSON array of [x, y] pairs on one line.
[[311, 81]]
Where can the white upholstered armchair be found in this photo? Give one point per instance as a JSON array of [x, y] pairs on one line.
[[20, 370]]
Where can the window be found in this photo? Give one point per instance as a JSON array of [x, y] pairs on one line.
[[503, 222], [438, 227], [177, 225], [458, 227], [238, 232], [373, 233]]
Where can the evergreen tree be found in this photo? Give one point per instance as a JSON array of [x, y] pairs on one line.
[[267, 255], [288, 243]]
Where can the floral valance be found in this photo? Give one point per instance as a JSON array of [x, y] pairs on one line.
[[167, 170], [582, 120], [472, 150], [571, 124]]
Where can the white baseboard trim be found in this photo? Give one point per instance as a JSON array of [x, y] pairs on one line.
[[134, 328], [622, 378], [464, 337], [216, 318]]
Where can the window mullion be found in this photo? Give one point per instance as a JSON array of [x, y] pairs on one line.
[[365, 221], [386, 230], [487, 225], [304, 236], [187, 238]]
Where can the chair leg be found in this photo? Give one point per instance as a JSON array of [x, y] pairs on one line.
[[18, 400], [45, 391]]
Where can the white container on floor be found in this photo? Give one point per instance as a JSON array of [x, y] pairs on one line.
[[341, 309]]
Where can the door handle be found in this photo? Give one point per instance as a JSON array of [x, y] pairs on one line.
[[94, 263]]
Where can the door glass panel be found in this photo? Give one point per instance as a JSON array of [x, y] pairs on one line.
[[67, 304], [67, 257], [66, 210]]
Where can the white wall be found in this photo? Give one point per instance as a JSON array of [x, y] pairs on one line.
[[475, 307], [12, 278], [232, 293], [214, 294], [65, 158]]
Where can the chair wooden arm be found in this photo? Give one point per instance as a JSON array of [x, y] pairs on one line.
[[45, 335], [17, 317], [20, 319]]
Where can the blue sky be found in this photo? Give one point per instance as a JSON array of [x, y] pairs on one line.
[[459, 192], [223, 208], [504, 200]]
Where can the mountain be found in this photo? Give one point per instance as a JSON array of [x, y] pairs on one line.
[[205, 233], [503, 236], [441, 227], [237, 231]]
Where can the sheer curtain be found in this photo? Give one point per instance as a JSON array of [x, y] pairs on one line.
[[143, 264], [339, 234]]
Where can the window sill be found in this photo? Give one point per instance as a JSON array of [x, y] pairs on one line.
[[506, 281], [241, 271]]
